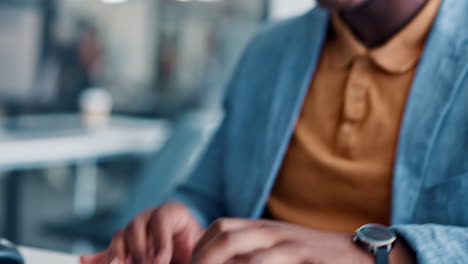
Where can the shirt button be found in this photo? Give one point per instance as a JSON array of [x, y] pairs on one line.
[[357, 92], [347, 127]]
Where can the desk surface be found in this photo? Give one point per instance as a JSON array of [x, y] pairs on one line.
[[48, 139], [37, 256]]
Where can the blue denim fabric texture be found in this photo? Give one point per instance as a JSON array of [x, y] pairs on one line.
[[264, 99]]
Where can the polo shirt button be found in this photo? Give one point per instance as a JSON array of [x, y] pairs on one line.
[[347, 127], [358, 92]]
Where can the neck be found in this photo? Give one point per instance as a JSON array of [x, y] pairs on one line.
[[376, 21]]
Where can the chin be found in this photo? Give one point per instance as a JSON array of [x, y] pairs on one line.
[[340, 4]]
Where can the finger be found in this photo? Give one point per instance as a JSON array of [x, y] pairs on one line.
[[98, 258], [150, 244], [184, 244], [225, 225], [228, 245], [117, 252], [135, 238], [287, 252], [162, 239]]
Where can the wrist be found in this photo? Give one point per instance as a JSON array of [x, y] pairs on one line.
[[402, 253], [362, 257]]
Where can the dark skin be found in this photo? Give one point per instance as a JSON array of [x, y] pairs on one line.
[[375, 21], [170, 234]]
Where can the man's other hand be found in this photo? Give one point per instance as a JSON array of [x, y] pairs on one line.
[[239, 241], [164, 235]]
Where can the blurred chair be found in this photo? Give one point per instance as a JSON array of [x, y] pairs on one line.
[[161, 173]]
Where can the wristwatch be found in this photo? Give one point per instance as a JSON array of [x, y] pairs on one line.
[[376, 239]]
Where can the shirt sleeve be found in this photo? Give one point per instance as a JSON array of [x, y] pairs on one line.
[[203, 192], [435, 244]]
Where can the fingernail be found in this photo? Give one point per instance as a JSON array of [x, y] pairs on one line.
[[115, 261]]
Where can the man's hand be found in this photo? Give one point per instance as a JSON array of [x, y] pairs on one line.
[[238, 241], [160, 236]]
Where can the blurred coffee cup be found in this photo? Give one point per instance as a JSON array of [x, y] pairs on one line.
[[95, 107]]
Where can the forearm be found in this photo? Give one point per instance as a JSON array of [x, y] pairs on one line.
[[400, 254]]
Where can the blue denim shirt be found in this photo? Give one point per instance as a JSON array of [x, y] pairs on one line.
[[263, 101]]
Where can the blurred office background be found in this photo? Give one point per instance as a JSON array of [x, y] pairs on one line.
[[106, 104]]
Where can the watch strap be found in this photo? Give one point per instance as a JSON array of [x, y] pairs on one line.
[[381, 256]]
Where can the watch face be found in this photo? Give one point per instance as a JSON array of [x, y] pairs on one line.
[[376, 234]]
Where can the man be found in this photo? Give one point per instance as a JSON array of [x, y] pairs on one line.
[[334, 120]]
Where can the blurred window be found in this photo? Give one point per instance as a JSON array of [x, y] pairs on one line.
[[155, 57], [167, 55], [20, 39], [282, 9]]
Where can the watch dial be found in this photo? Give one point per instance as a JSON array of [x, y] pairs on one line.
[[377, 233]]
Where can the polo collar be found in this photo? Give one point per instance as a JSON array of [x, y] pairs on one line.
[[398, 55]]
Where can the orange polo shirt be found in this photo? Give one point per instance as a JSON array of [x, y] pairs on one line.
[[337, 172]]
